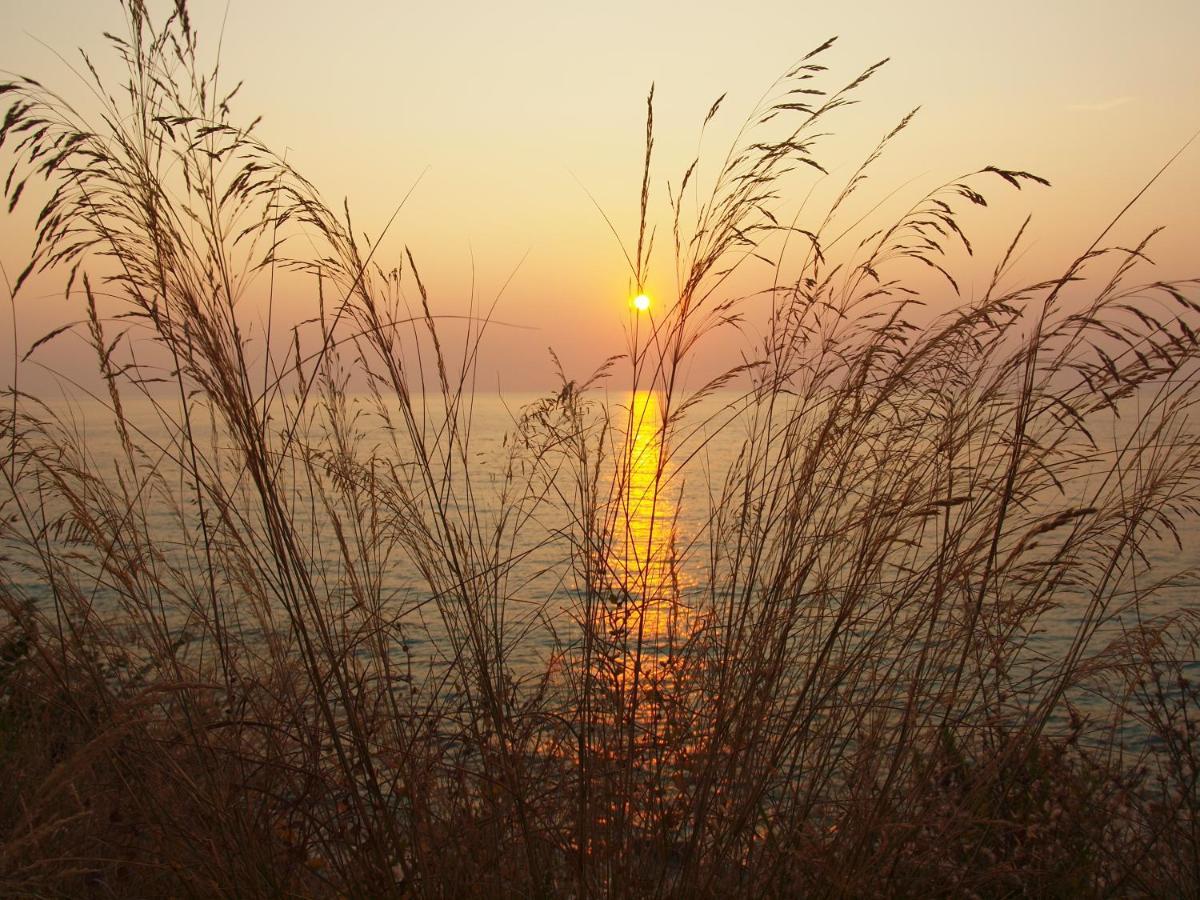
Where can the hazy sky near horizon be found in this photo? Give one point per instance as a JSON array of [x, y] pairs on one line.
[[510, 114]]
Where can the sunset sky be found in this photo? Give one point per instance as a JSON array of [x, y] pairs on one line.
[[510, 113]]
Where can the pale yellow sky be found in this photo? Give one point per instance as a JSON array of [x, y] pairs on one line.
[[510, 110]]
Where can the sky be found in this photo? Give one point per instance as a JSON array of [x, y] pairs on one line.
[[516, 120]]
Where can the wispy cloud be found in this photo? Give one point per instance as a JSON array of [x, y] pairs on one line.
[[1102, 105]]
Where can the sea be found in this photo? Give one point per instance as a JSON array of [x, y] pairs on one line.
[[510, 476]]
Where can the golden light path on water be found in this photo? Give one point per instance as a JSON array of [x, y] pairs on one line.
[[643, 558]]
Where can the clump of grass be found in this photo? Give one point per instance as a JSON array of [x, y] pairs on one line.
[[286, 640]]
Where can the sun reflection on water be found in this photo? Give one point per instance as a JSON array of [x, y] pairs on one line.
[[647, 619], [644, 548]]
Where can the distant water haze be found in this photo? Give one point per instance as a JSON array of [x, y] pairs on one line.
[[663, 484]]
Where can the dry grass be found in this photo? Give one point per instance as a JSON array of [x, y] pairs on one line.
[[208, 681]]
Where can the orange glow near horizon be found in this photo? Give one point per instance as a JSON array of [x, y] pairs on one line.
[[509, 219]]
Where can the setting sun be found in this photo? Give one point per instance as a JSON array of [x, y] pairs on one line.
[[641, 303]]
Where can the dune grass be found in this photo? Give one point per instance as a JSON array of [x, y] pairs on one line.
[[208, 681]]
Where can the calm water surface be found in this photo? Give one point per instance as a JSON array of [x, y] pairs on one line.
[[658, 554]]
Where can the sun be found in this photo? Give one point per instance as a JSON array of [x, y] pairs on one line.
[[641, 303]]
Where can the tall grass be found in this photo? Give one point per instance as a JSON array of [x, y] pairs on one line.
[[212, 684]]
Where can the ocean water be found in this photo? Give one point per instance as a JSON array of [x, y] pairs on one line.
[[664, 510]]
